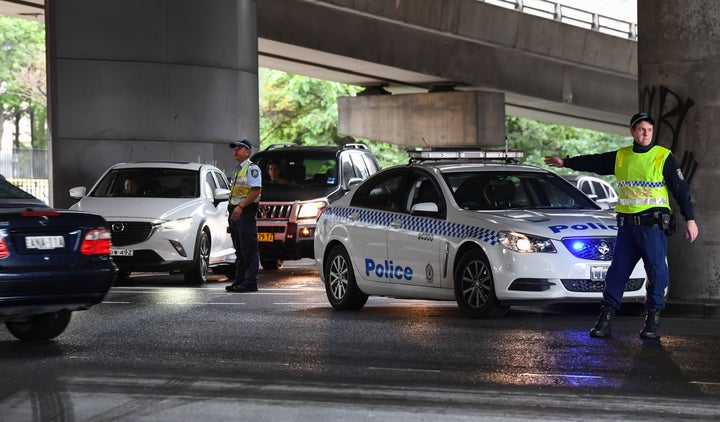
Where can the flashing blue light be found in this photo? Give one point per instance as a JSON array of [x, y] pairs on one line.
[[578, 246]]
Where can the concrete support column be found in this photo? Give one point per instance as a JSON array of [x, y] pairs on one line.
[[679, 64], [450, 118], [134, 80]]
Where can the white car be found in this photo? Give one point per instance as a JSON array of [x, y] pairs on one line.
[[597, 189], [486, 235], [164, 217]]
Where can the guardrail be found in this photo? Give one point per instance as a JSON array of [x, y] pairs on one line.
[[572, 16]]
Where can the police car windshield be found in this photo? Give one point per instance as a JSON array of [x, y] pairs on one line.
[[496, 190]]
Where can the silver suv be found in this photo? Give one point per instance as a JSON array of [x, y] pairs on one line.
[[309, 179]]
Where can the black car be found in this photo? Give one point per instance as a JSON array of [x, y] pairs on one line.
[[307, 180], [52, 262]]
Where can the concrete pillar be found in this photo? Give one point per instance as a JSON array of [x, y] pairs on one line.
[[134, 80], [679, 63], [450, 118]]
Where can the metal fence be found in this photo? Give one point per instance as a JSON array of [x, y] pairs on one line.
[[24, 163], [38, 188], [571, 16]]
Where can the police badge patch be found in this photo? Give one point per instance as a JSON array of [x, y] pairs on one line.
[[254, 172], [680, 175]]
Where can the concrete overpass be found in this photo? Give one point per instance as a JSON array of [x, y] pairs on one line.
[[546, 70]]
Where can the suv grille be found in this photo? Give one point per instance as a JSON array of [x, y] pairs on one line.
[[595, 248], [275, 211], [129, 233]]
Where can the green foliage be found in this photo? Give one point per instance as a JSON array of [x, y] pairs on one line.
[[22, 74], [539, 139]]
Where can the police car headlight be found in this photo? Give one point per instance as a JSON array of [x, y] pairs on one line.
[[311, 209], [520, 242], [181, 224]]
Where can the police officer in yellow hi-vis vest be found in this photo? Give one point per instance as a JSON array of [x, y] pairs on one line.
[[242, 219], [645, 173]]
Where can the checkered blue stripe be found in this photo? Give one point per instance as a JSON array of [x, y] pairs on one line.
[[640, 184], [415, 223]]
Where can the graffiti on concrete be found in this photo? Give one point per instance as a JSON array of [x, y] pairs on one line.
[[670, 114]]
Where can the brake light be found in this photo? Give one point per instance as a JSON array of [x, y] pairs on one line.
[[4, 252], [40, 213], [96, 242]]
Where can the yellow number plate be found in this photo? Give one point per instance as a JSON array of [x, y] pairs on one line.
[[265, 237]]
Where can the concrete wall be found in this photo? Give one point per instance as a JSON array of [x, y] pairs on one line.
[[134, 80], [679, 60]]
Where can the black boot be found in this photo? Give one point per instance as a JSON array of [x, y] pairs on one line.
[[652, 324], [602, 327]]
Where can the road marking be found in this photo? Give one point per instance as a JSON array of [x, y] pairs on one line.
[[704, 383], [376, 368], [200, 303], [114, 302], [302, 303], [530, 374]]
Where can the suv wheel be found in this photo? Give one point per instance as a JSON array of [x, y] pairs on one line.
[[198, 274], [272, 264]]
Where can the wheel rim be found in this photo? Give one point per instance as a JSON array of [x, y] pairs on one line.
[[476, 284], [338, 277], [204, 256]]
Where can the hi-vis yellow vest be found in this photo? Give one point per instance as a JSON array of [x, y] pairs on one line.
[[239, 189], [640, 180]]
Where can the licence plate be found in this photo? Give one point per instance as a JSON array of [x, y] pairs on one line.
[[266, 237], [121, 252], [44, 242], [598, 273]]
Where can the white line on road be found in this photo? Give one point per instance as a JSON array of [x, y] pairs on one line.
[[375, 368]]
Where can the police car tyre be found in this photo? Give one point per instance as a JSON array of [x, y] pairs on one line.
[[40, 327], [340, 286], [475, 287], [272, 264], [198, 274]]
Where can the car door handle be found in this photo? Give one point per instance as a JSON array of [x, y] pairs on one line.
[[353, 217], [397, 224]]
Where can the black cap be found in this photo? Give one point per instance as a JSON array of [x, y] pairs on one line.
[[639, 118], [243, 143]]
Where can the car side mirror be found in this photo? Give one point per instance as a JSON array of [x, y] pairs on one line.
[[354, 181], [78, 192], [424, 208], [219, 195]]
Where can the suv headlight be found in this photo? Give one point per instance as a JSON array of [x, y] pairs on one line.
[[520, 242], [311, 209], [181, 224]]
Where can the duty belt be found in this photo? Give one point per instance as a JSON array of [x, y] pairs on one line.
[[647, 219]]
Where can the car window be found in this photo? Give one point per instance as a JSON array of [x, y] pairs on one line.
[[600, 190], [586, 187], [503, 190], [423, 190], [370, 163], [348, 171], [148, 182], [10, 191], [221, 180], [381, 193], [360, 167]]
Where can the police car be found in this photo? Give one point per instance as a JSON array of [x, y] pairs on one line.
[[469, 226]]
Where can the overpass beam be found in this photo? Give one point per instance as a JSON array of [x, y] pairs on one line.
[[447, 118]]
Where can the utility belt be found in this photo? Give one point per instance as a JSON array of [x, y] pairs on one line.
[[664, 220]]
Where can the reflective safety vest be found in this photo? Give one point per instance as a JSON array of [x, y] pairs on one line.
[[640, 180], [240, 188]]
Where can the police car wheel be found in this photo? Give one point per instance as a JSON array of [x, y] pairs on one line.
[[340, 286], [475, 287]]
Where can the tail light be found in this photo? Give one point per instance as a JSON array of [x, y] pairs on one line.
[[4, 252], [96, 242]]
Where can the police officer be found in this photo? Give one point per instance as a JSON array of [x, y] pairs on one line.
[[645, 173], [242, 220]]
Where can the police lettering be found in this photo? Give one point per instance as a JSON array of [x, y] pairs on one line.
[[388, 270], [580, 227]]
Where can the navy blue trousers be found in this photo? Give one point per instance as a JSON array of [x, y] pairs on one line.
[[648, 243], [244, 236]]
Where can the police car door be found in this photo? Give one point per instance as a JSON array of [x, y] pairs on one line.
[[414, 240]]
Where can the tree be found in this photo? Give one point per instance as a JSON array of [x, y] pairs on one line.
[[22, 76]]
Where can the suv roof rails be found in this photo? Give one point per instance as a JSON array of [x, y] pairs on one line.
[[281, 145], [355, 146], [464, 154]]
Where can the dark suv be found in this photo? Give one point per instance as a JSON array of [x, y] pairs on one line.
[[309, 179]]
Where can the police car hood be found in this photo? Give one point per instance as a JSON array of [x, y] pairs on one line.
[[555, 223], [145, 209]]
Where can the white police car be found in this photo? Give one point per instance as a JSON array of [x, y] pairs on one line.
[[486, 234]]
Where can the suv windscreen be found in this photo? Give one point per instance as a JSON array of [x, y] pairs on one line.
[[149, 182], [287, 175]]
